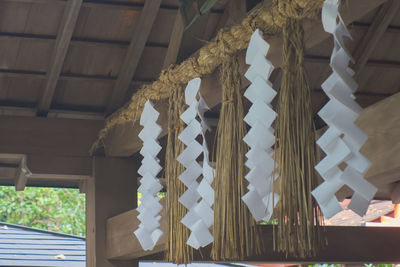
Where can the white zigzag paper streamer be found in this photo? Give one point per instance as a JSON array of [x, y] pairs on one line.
[[343, 139], [260, 199], [148, 232], [200, 215]]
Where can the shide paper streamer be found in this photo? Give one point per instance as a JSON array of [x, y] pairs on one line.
[[148, 232], [343, 139], [199, 197], [260, 199]]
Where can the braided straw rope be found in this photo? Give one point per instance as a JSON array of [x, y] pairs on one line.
[[268, 18]]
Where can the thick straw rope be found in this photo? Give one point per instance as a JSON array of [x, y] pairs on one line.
[[268, 18]]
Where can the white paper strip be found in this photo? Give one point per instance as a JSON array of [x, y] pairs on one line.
[[199, 197], [148, 232], [260, 199], [343, 139]]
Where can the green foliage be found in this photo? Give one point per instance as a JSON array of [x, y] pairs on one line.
[[55, 209]]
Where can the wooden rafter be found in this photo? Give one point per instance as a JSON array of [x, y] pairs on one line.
[[175, 41], [374, 34], [135, 50], [59, 52], [236, 11]]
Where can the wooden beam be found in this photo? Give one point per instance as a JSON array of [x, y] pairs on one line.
[[123, 139], [48, 137], [16, 169], [57, 150], [374, 34], [59, 52], [22, 175], [135, 49], [345, 244], [123, 244], [236, 11], [382, 147], [175, 41]]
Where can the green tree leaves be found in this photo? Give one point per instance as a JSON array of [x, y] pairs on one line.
[[55, 209]]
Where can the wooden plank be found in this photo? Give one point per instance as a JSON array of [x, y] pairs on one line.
[[382, 125], [122, 140], [59, 53], [8, 172], [374, 34], [382, 147], [236, 11], [175, 41], [345, 244], [123, 244], [47, 136], [138, 42]]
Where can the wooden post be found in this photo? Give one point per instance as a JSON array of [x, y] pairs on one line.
[[112, 190]]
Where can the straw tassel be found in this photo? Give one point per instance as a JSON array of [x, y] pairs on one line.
[[298, 232], [177, 250], [234, 228]]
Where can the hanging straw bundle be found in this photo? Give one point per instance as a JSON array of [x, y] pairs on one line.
[[298, 231], [235, 234], [177, 250]]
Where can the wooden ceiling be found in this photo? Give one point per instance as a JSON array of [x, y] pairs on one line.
[[83, 59], [77, 56]]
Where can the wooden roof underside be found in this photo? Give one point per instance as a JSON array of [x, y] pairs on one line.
[[82, 59], [96, 35]]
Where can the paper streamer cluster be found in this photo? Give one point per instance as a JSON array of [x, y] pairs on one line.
[[260, 199], [199, 197], [148, 232], [343, 139]]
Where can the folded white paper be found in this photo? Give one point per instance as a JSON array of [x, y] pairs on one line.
[[148, 232], [260, 198], [199, 197], [343, 139]]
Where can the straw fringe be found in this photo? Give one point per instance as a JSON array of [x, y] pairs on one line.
[[177, 250], [234, 229], [228, 42], [298, 232]]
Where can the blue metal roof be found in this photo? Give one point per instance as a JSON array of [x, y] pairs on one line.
[[25, 246]]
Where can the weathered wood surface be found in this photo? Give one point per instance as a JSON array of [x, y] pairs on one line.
[[59, 52], [56, 150], [123, 244], [135, 50], [345, 244]]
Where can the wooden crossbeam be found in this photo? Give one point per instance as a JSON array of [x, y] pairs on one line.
[[345, 244], [135, 50], [175, 41], [374, 34], [59, 52]]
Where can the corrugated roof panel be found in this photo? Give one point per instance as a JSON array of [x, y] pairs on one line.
[[24, 246]]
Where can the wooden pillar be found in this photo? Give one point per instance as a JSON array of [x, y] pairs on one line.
[[112, 190]]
